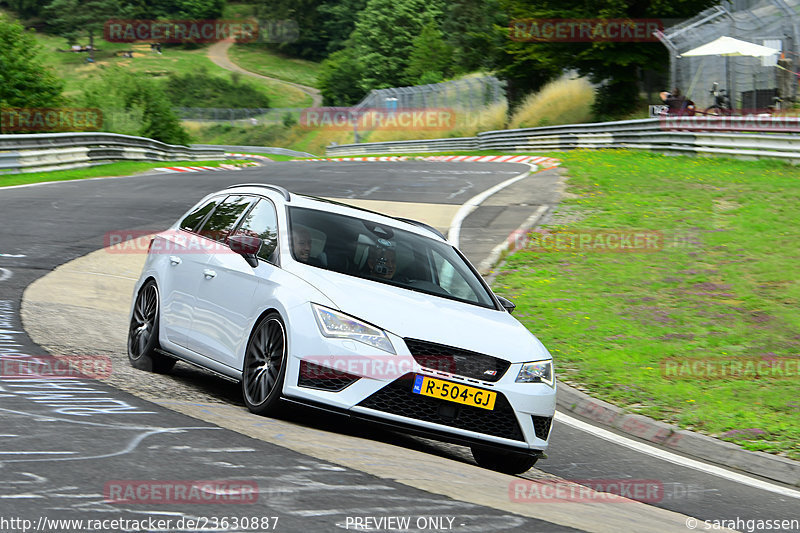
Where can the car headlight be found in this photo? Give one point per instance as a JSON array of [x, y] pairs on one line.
[[339, 325], [536, 372]]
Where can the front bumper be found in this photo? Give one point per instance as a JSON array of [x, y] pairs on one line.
[[378, 386]]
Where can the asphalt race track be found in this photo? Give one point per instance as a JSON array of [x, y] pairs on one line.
[[64, 445]]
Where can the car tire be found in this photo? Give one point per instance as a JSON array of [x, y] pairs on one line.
[[143, 333], [265, 366], [507, 463]]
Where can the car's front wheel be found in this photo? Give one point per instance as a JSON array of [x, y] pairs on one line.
[[265, 366], [508, 463], [143, 333]]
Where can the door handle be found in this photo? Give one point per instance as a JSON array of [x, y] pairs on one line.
[[209, 273], [174, 260]]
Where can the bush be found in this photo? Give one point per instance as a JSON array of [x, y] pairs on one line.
[[339, 77], [134, 105], [467, 124], [24, 81], [295, 137], [564, 101], [203, 90]]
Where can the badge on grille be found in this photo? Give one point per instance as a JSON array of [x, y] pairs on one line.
[[490, 372]]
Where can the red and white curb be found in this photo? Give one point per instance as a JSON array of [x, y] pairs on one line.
[[545, 162], [221, 167], [249, 156], [188, 169], [380, 158], [542, 162], [206, 169]]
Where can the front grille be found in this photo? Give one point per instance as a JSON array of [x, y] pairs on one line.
[[314, 376], [541, 426], [397, 398], [457, 361]]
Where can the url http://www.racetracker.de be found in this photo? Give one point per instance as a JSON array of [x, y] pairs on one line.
[[44, 524]]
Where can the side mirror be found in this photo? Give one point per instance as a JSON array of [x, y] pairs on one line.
[[246, 246], [507, 304]]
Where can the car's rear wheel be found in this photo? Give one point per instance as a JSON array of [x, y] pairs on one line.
[[506, 462], [143, 333], [265, 366]]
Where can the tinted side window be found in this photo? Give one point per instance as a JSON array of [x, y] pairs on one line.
[[452, 279], [190, 222], [262, 221], [224, 217]]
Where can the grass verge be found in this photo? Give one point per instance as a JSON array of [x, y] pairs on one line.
[[260, 59], [74, 70], [721, 285], [122, 168]]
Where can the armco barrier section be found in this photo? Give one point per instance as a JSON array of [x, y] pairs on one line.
[[58, 151], [394, 147], [748, 137], [256, 149]]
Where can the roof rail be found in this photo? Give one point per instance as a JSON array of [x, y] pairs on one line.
[[276, 188]]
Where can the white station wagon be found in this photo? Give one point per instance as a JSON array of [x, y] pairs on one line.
[[316, 302]]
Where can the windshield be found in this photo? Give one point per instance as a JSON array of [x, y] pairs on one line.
[[384, 254]]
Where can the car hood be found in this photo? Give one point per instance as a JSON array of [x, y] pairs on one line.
[[412, 314]]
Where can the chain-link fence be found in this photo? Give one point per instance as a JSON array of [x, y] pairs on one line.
[[470, 94], [468, 99], [241, 116], [752, 82]]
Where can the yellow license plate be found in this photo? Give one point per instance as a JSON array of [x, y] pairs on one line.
[[454, 392]]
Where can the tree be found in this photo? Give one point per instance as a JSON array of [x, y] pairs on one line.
[[431, 58], [185, 90], [134, 105], [339, 79], [70, 18], [338, 21], [323, 25], [615, 65], [384, 38], [472, 29], [26, 8], [187, 9], [24, 80], [311, 42]]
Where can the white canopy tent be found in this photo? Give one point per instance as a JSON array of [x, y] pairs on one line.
[[729, 47]]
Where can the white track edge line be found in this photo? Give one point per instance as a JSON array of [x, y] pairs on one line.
[[491, 259], [454, 233], [674, 457]]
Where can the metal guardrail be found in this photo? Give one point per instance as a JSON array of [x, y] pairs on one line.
[[742, 136], [255, 149], [59, 151], [392, 147]]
